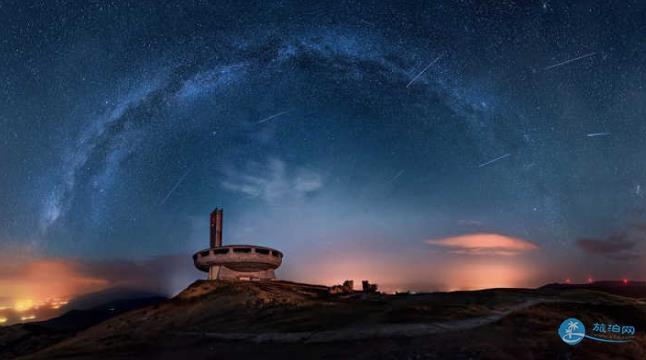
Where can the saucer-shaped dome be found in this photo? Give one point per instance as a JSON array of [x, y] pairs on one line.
[[242, 258]]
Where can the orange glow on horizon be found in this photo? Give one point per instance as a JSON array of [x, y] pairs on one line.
[[44, 283], [437, 273], [487, 275]]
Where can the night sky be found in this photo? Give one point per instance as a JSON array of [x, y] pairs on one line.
[[437, 145]]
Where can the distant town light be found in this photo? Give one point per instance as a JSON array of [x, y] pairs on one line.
[[22, 305]]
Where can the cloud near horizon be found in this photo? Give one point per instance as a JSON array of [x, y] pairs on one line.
[[484, 244], [626, 244], [617, 247], [45, 278]]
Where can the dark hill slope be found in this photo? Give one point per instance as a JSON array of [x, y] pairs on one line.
[[28, 338], [279, 320]]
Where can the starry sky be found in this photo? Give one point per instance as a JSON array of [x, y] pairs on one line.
[[422, 145]]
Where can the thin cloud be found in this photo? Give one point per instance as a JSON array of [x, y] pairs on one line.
[[610, 245], [469, 222], [618, 247], [484, 244], [272, 182], [626, 244]]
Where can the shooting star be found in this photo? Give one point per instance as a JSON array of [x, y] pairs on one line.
[[272, 117], [570, 60], [397, 176], [494, 160], [424, 70], [598, 134], [177, 184]]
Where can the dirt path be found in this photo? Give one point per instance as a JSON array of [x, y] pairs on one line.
[[368, 332]]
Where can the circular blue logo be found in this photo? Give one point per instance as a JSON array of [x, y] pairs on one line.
[[572, 331]]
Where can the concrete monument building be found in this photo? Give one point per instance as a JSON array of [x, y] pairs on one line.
[[235, 262]]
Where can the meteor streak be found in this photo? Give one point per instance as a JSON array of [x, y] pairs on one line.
[[172, 190], [272, 117], [494, 160], [424, 70], [569, 61]]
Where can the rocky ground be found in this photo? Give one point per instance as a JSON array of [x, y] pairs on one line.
[[284, 320]]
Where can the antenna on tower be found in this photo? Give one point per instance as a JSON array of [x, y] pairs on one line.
[[216, 228]]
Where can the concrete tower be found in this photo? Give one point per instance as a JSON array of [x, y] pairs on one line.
[[235, 262]]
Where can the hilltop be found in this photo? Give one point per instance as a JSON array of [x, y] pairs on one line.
[[279, 319], [633, 289]]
